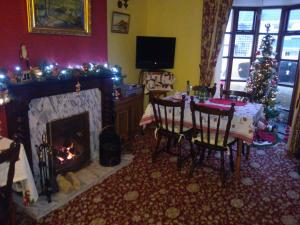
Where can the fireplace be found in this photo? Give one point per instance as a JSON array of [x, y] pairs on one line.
[[70, 141], [38, 103], [59, 114]]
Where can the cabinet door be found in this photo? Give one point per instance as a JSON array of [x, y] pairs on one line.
[[136, 113], [122, 121]]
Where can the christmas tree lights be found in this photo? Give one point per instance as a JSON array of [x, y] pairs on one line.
[[263, 79]]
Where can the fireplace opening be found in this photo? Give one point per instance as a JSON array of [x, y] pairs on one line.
[[70, 141]]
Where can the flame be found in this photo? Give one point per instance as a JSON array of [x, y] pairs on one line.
[[61, 159], [71, 146], [69, 154]]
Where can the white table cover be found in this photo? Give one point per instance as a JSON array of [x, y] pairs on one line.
[[23, 172], [242, 125]]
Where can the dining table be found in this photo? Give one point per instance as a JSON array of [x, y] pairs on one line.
[[246, 115], [23, 178]]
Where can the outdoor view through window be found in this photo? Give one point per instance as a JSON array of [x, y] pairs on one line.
[[244, 33]]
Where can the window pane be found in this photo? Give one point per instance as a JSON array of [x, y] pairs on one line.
[[240, 69], [229, 23], [226, 45], [243, 45], [272, 17], [291, 46], [260, 37], [287, 72], [245, 21], [283, 118], [224, 68], [237, 86], [294, 20], [284, 97]]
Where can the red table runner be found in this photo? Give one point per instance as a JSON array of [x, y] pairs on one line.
[[214, 106], [227, 101]]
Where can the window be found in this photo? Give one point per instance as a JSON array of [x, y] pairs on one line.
[[244, 32]]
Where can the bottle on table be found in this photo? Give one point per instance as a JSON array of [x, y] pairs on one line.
[[188, 87]]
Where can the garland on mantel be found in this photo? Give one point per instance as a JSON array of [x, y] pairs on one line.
[[52, 71]]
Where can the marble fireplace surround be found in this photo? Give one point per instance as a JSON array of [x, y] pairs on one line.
[[46, 109], [17, 110]]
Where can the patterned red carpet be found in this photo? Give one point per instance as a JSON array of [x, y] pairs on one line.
[[156, 193]]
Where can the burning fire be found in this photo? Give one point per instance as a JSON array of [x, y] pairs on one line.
[[66, 153]]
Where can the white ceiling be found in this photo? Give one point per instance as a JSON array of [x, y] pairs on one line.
[[265, 2]]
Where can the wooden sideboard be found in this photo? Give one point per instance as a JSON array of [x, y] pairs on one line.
[[128, 112]]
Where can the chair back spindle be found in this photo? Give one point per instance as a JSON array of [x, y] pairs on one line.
[[208, 126], [165, 112], [11, 156]]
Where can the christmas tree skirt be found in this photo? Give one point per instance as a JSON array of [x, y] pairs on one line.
[[265, 138]]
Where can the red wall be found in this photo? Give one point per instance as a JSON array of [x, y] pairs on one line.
[[62, 49]]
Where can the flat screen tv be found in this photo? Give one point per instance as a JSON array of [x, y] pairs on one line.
[[155, 52]]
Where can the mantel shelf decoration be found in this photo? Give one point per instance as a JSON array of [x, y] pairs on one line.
[[52, 71]]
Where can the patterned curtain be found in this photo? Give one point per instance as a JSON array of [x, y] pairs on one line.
[[214, 21], [294, 138]]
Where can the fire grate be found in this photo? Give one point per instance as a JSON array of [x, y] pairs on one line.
[[69, 139]]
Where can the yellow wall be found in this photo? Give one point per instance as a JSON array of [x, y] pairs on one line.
[[173, 18], [121, 47], [180, 19]]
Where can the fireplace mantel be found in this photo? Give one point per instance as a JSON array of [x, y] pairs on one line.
[[22, 94]]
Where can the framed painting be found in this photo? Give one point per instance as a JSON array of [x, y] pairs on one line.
[[65, 17], [120, 22]]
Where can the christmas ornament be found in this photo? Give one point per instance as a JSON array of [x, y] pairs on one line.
[[26, 198]]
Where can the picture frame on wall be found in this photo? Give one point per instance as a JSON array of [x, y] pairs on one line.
[[67, 17], [120, 22]]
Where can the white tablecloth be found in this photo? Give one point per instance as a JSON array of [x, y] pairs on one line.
[[241, 125], [23, 172]]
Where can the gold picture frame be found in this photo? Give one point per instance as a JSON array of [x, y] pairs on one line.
[[62, 17], [120, 22]]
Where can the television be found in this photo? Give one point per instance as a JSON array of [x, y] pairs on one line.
[[155, 52]]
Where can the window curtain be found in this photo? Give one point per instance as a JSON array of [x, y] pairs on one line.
[[214, 21], [294, 137]]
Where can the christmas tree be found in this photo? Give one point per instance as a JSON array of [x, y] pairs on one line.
[[263, 79]]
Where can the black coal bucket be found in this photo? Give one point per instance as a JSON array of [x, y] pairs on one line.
[[110, 147]]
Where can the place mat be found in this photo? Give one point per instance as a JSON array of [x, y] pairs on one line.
[[214, 106], [227, 102]]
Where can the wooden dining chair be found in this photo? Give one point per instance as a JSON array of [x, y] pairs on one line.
[[207, 134], [209, 91], [238, 95], [169, 116], [7, 207], [158, 93]]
